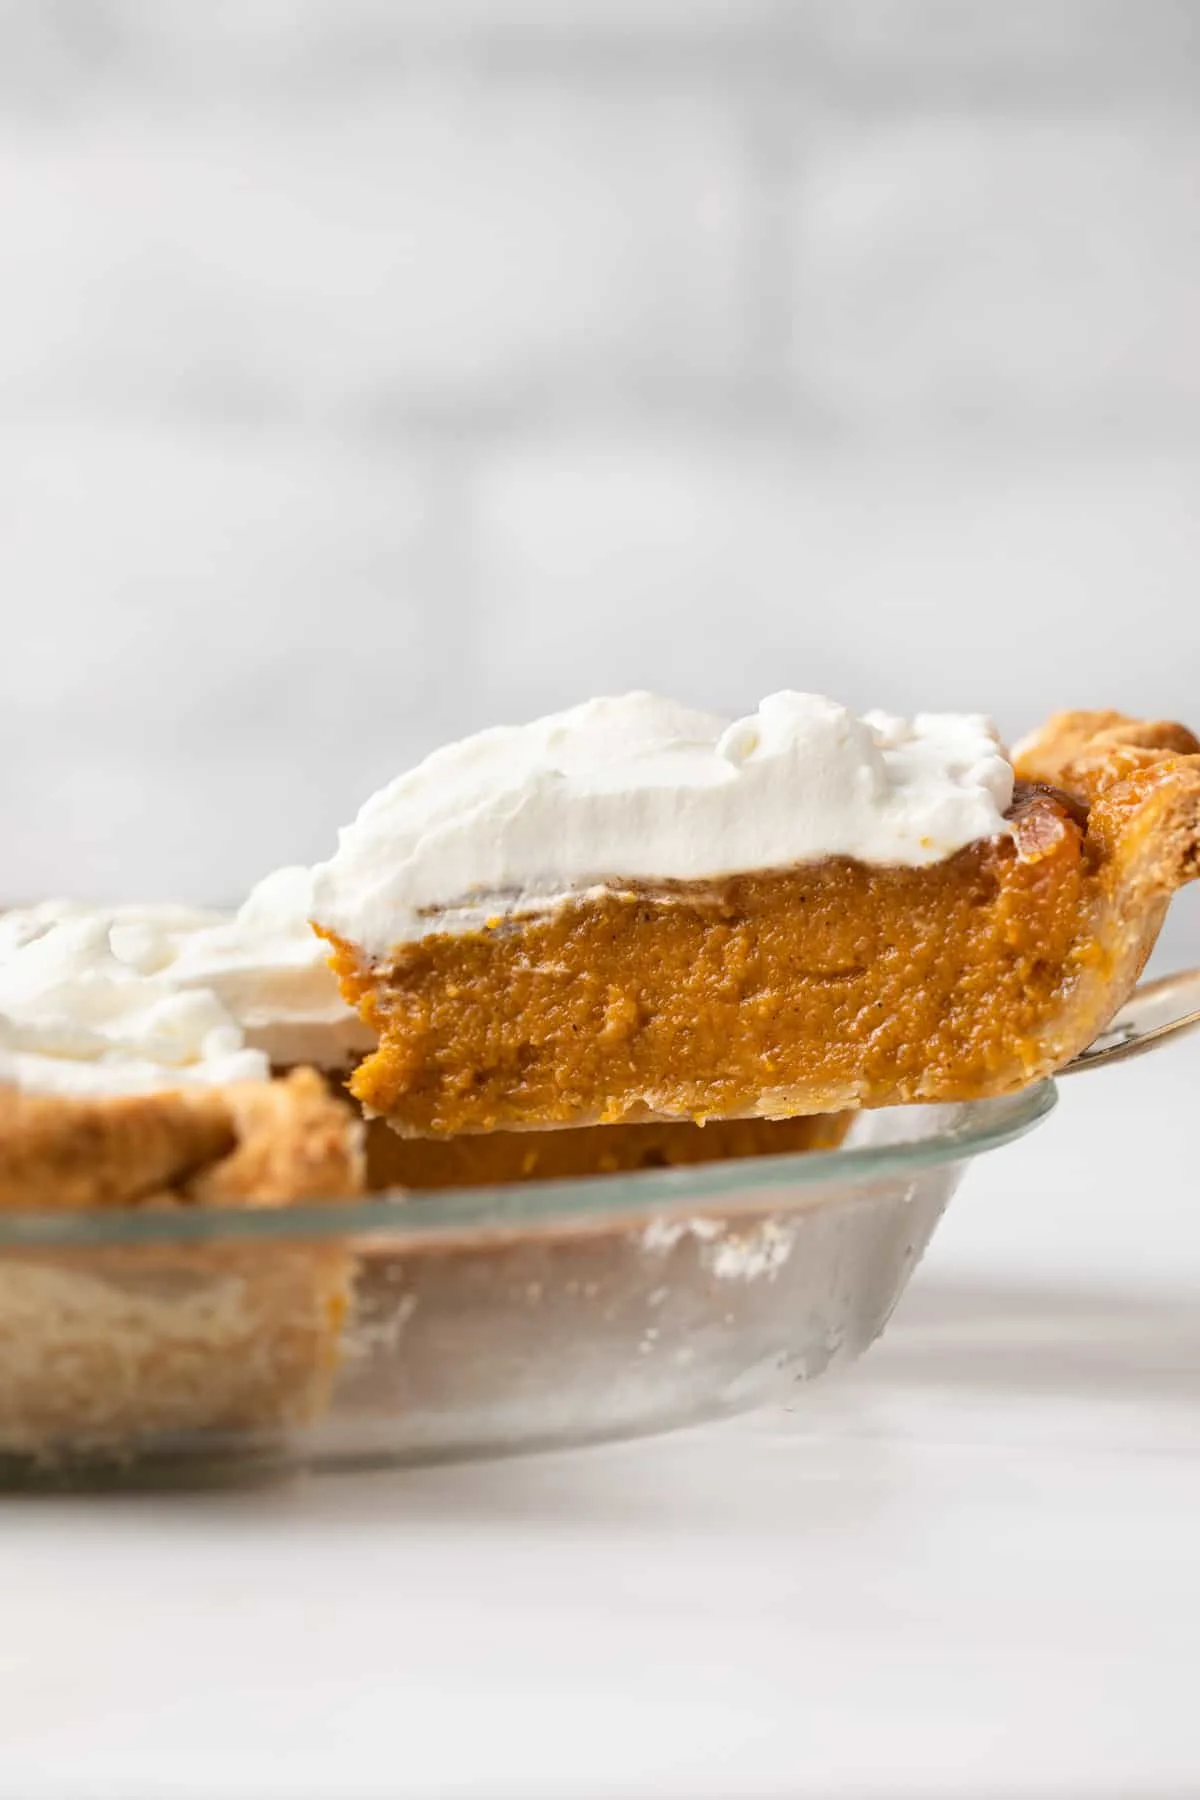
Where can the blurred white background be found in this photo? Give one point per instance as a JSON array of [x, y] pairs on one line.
[[373, 370]]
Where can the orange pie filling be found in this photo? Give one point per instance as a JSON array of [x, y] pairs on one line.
[[498, 1157]]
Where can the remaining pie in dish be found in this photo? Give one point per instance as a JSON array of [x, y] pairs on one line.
[[632, 912], [144, 1066], [117, 1346]]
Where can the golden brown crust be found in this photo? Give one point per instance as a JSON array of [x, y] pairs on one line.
[[251, 1144], [60, 1153], [826, 986], [116, 1351], [294, 1141], [1085, 753], [1140, 779], [121, 1348]]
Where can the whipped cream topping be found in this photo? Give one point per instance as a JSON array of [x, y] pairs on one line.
[[139, 998], [151, 934], [638, 788], [85, 1007], [268, 967]]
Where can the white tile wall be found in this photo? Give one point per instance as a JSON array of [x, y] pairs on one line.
[[372, 369], [1040, 272], [192, 678], [716, 568], [445, 248]]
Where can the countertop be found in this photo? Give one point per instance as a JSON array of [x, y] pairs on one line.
[[967, 1566]]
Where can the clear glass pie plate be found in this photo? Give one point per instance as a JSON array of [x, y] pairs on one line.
[[190, 1344]]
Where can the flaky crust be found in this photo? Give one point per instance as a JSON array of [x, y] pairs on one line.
[[65, 1154], [113, 1350], [294, 1141], [1140, 780], [1085, 752], [249, 1144]]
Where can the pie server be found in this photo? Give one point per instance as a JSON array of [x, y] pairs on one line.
[[1166, 1008]]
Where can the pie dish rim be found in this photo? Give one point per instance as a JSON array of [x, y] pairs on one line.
[[574, 1203]]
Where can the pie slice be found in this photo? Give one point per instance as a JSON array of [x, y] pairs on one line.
[[796, 914], [111, 1348]]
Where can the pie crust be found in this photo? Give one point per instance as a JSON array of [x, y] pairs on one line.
[[811, 989], [253, 1144], [116, 1348]]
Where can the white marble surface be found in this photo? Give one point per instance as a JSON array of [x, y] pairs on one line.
[[970, 1566]]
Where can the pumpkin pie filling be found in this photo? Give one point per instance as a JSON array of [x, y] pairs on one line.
[[498, 1157]]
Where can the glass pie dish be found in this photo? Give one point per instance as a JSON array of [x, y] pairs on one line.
[[192, 1344]]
